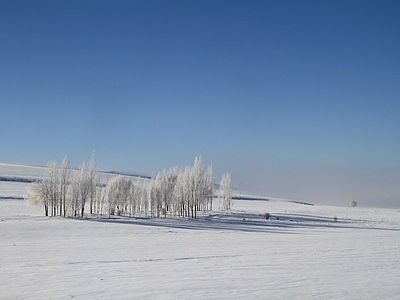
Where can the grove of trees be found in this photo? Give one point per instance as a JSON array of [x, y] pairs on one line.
[[182, 192]]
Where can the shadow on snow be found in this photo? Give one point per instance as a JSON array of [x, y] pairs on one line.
[[244, 222]]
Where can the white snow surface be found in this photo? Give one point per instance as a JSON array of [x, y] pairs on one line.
[[301, 252]]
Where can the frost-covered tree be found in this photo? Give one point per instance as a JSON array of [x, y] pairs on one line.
[[166, 184], [193, 189], [226, 191], [118, 194], [132, 201], [63, 191], [93, 181], [38, 195], [100, 202], [183, 192], [85, 186], [79, 191], [178, 202], [140, 194], [65, 177], [209, 187], [51, 180], [154, 194], [45, 192], [197, 185]]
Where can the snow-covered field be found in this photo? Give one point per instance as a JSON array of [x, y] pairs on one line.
[[302, 252]]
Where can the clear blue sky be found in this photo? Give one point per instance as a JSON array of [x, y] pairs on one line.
[[296, 99]]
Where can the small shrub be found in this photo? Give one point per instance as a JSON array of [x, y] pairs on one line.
[[353, 203]]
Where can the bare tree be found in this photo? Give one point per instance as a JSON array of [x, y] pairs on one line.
[[353, 203]]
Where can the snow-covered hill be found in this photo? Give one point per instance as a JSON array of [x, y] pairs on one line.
[[301, 252], [15, 178]]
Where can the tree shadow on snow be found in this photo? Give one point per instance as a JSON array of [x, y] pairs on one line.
[[193, 224], [243, 222]]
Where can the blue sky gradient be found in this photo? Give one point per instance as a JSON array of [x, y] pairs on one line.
[[296, 99]]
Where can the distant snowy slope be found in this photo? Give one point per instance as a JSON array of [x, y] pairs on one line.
[[15, 178], [22, 173]]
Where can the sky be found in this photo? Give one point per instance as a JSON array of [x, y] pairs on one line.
[[295, 99]]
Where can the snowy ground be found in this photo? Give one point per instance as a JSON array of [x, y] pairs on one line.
[[306, 254], [303, 255]]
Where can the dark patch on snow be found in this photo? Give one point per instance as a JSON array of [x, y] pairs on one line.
[[11, 198], [302, 203], [249, 198], [245, 198], [17, 179], [126, 174]]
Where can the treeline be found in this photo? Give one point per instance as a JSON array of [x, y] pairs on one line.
[[176, 192]]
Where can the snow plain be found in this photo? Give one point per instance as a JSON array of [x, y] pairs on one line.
[[302, 252]]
